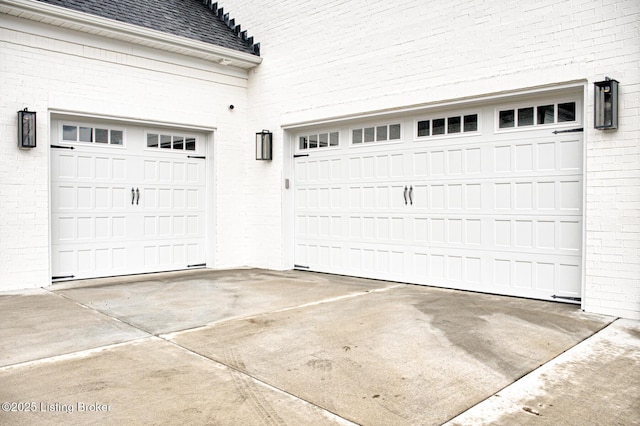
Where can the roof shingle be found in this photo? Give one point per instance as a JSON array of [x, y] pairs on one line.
[[185, 18]]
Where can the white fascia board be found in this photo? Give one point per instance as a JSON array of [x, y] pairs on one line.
[[60, 16]]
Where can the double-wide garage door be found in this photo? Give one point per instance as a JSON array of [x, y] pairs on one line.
[[487, 198], [125, 199]]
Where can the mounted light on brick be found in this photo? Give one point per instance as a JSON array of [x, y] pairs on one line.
[[605, 104], [26, 129], [264, 145]]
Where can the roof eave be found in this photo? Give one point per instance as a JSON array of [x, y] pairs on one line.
[[92, 24]]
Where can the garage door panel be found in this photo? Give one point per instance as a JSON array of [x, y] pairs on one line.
[[103, 197], [164, 255], [63, 197], [321, 226], [446, 267], [397, 195], [534, 234], [371, 167], [536, 157], [537, 195], [170, 198], [83, 261], [373, 261], [535, 275], [83, 166], [492, 196], [94, 227], [570, 192], [64, 167], [571, 154]]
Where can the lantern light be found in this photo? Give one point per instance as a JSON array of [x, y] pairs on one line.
[[264, 145], [26, 129], [605, 104]]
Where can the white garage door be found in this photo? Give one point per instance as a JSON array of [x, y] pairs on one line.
[[125, 199], [486, 199]]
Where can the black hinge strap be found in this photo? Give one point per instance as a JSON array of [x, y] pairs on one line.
[[555, 132], [575, 299], [300, 155], [196, 156], [61, 277], [195, 265], [62, 147], [300, 267]]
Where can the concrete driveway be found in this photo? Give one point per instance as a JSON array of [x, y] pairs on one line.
[[263, 347]]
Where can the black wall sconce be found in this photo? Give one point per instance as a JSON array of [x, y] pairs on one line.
[[26, 129], [264, 145], [605, 104]]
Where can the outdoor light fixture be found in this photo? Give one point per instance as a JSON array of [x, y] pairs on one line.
[[605, 104], [264, 145], [26, 129]]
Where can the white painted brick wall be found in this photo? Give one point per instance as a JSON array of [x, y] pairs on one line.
[[345, 57], [87, 74]]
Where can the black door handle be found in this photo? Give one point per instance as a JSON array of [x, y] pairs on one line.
[[133, 195], [137, 196]]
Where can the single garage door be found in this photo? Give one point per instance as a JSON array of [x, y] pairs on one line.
[[486, 198], [125, 199]]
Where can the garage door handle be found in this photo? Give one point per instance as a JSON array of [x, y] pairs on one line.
[[133, 195], [137, 196], [405, 195], [411, 195]]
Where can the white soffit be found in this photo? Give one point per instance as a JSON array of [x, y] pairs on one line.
[[91, 24]]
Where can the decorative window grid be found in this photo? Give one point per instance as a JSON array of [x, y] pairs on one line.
[[165, 141], [539, 115], [382, 133], [319, 140], [454, 124], [92, 134]]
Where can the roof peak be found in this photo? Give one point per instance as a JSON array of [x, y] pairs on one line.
[[231, 23], [200, 20]]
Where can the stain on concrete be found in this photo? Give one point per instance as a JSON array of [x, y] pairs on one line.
[[478, 324], [162, 303], [320, 364], [634, 332], [597, 382]]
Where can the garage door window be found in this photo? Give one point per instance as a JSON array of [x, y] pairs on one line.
[[171, 142], [89, 134], [538, 115], [319, 140], [383, 133], [454, 124]]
